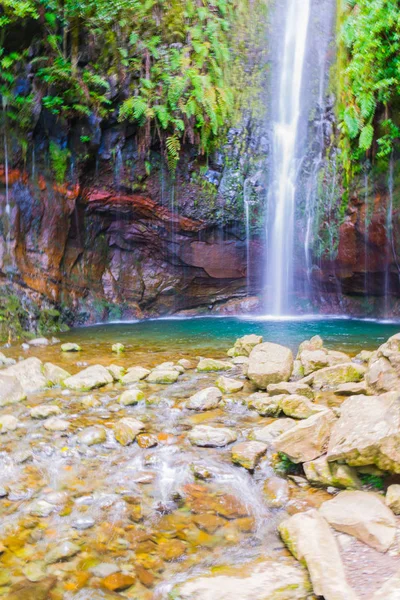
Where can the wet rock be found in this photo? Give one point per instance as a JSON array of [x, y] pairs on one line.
[[43, 411], [29, 374], [104, 569], [364, 356], [315, 343], [363, 515], [208, 522], [312, 360], [308, 439], [130, 397], [269, 363], [126, 430], [116, 372], [210, 364], [70, 347], [299, 407], [351, 389], [241, 360], [206, 399], [259, 580], [118, 348], [147, 440], [290, 387], [118, 582], [145, 577], [8, 423], [35, 571], [393, 498], [41, 508], [368, 432], [333, 376], [212, 437], [90, 402], [83, 523], [265, 405], [37, 342], [383, 374], [93, 377], [163, 376], [63, 551], [276, 492], [244, 345], [248, 454], [171, 549], [135, 374], [6, 362], [310, 539], [229, 386], [186, 364], [54, 375], [321, 472], [55, 424], [271, 432], [24, 590], [92, 435]]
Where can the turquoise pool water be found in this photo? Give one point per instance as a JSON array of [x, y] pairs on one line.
[[220, 333]]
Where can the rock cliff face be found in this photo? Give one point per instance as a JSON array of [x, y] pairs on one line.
[[101, 253]]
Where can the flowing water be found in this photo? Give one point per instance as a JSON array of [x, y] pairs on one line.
[[141, 518], [284, 151]]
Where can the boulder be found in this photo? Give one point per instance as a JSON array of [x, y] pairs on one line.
[[93, 377], [315, 343], [210, 364], [8, 423], [37, 342], [276, 492], [321, 472], [126, 430], [6, 362], [363, 515], [118, 348], [390, 590], [61, 552], [11, 391], [368, 432], [333, 376], [130, 397], [269, 433], [56, 424], [229, 386], [265, 405], [70, 347], [310, 539], [364, 356], [186, 363], [269, 363], [244, 345], [54, 375], [351, 389], [312, 360], [299, 407], [393, 498], [43, 411], [206, 399], [248, 454], [92, 435], [135, 374], [29, 374], [116, 372], [211, 437], [308, 439], [163, 376], [290, 387], [259, 580]]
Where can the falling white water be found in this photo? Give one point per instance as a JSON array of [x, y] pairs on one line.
[[284, 167], [390, 237]]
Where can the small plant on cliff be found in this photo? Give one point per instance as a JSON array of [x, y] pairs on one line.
[[59, 161]]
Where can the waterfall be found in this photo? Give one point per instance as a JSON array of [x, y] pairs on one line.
[[392, 254], [284, 159]]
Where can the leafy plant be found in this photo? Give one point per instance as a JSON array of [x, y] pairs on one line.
[[284, 465], [59, 161], [374, 481]]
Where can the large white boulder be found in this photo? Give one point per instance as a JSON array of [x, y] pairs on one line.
[[308, 439], [29, 374], [368, 432], [310, 539], [363, 515], [93, 377], [270, 363]]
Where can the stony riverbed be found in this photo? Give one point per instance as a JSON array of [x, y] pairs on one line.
[[169, 475]]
